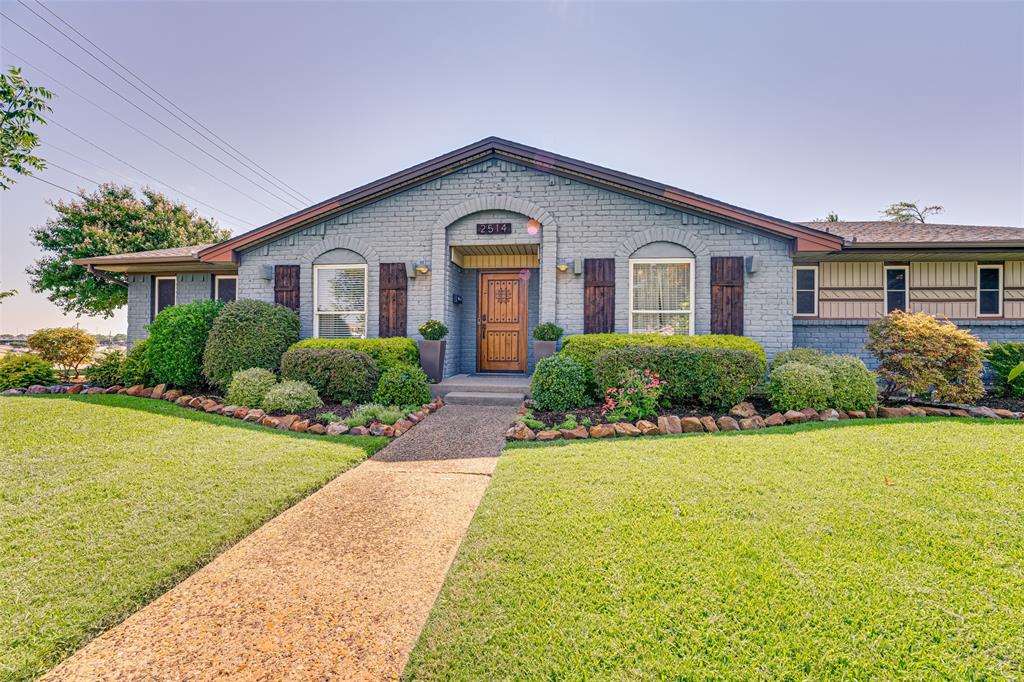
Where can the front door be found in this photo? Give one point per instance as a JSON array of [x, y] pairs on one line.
[[501, 322]]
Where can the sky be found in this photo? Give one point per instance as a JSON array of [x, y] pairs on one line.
[[792, 109]]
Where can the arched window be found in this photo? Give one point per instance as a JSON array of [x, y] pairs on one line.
[[661, 289], [339, 295]]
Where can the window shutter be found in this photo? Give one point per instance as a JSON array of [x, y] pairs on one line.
[[286, 286], [598, 295], [727, 295], [393, 284]]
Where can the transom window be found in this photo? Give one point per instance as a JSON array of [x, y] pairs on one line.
[[805, 290], [339, 301], [896, 288], [225, 288], [661, 295], [990, 290], [164, 292]]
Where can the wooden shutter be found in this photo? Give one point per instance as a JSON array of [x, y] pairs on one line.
[[286, 286], [393, 284], [727, 295], [598, 295]]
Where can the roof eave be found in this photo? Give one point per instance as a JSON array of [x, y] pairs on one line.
[[925, 246]]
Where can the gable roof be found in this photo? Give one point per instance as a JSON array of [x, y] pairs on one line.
[[807, 238], [886, 234]]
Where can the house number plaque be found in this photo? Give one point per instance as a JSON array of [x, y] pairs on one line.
[[494, 228]]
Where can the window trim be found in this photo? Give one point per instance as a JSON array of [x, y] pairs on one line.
[[216, 285], [666, 261], [156, 292], [817, 284], [978, 268], [366, 297], [885, 287]]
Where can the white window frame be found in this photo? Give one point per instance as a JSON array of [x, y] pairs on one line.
[[885, 287], [366, 297], [993, 266], [216, 285], [664, 261], [796, 311], [156, 292]]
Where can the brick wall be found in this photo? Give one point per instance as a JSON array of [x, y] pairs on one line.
[[189, 286]]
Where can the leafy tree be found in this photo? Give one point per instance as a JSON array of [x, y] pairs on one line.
[[832, 217], [67, 347], [7, 294], [21, 106], [107, 221], [910, 212]]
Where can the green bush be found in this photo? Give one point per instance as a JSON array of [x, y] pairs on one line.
[[433, 330], [249, 386], [808, 356], [67, 347], [365, 414], [558, 384], [403, 385], [18, 370], [549, 331], [290, 397], [177, 338], [854, 386], [247, 334], [1002, 357], [584, 348], [337, 374], [107, 371], [135, 369], [797, 385], [386, 353]]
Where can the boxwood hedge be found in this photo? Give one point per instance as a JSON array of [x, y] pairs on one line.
[[387, 353], [337, 374], [246, 334]]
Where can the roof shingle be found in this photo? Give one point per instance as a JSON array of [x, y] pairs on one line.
[[885, 232]]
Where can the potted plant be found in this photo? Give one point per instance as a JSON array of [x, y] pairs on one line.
[[545, 342], [432, 349]]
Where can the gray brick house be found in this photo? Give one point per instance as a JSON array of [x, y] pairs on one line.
[[497, 237]]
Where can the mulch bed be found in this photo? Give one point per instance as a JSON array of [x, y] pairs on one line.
[[337, 408], [593, 413]]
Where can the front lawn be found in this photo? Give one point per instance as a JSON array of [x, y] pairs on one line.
[[107, 501], [844, 551]]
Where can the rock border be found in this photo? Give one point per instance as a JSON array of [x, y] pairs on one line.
[[211, 405], [744, 417]]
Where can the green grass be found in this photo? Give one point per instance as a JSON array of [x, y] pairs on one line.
[[849, 551], [107, 501]]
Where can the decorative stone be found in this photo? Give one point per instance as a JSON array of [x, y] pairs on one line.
[[843, 415], [775, 420], [600, 431], [548, 435], [1004, 414], [958, 413], [982, 412], [402, 425], [95, 390], [317, 429], [857, 414], [57, 388], [574, 434], [123, 391], [183, 400], [647, 428], [195, 402], [36, 389], [936, 412], [670, 423], [742, 411], [158, 391], [284, 423], [873, 412], [359, 431], [915, 411], [708, 422], [337, 429], [113, 389], [691, 425], [892, 412], [271, 422], [212, 406], [378, 429], [519, 431], [625, 429], [414, 417], [74, 389], [810, 413], [171, 395], [255, 415], [300, 425], [12, 391], [146, 393], [751, 423], [828, 415], [229, 410], [794, 417], [727, 423], [240, 413]]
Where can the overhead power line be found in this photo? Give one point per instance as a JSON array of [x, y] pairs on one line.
[[78, 175], [233, 152], [54, 184]]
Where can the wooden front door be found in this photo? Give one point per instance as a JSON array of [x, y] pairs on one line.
[[501, 322]]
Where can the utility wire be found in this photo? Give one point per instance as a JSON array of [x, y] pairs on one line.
[[54, 184], [276, 183], [66, 170], [139, 131], [154, 118]]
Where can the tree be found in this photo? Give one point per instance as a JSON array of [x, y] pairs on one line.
[[65, 346], [832, 217], [909, 212], [7, 294], [21, 106], [110, 220]]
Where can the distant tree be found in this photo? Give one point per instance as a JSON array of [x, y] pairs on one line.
[[21, 107], [107, 221], [67, 347], [7, 294], [832, 217], [910, 212]]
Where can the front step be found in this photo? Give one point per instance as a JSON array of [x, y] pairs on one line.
[[483, 399]]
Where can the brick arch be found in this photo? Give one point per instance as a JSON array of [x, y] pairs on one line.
[[372, 259], [663, 234], [340, 242]]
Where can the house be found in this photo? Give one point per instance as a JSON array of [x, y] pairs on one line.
[[496, 237]]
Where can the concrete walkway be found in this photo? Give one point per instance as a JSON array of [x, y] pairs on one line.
[[338, 587]]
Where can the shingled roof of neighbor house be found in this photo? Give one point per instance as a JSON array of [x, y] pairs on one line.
[[175, 253], [892, 234]]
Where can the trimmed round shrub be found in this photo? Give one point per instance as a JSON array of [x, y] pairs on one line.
[[249, 386], [290, 397], [18, 370], [808, 356], [386, 353], [854, 386], [135, 369], [67, 347], [548, 331], [797, 385], [177, 338], [558, 384], [403, 385], [1002, 357], [108, 370], [247, 334], [338, 375]]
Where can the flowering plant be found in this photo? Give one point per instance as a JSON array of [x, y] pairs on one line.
[[635, 397]]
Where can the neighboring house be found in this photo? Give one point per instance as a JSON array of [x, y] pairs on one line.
[[497, 237]]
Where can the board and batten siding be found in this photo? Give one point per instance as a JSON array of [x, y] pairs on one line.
[[850, 290], [1013, 289]]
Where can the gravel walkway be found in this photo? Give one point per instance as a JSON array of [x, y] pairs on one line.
[[336, 588]]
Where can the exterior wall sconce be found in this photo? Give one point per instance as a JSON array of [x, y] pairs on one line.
[[422, 267], [532, 227], [564, 264]]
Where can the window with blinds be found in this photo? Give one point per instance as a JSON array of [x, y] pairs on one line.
[[339, 301], [661, 296]]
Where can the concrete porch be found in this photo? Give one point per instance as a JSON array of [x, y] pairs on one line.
[[483, 389]]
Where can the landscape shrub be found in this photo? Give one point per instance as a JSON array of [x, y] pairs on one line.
[[1002, 358], [797, 385], [66, 347], [558, 384], [249, 386], [548, 331], [18, 370], [433, 330], [386, 353], [922, 355], [338, 374], [584, 348], [290, 397], [403, 385], [636, 396], [854, 386], [809, 356], [247, 334], [107, 371], [135, 369], [177, 339], [365, 414]]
